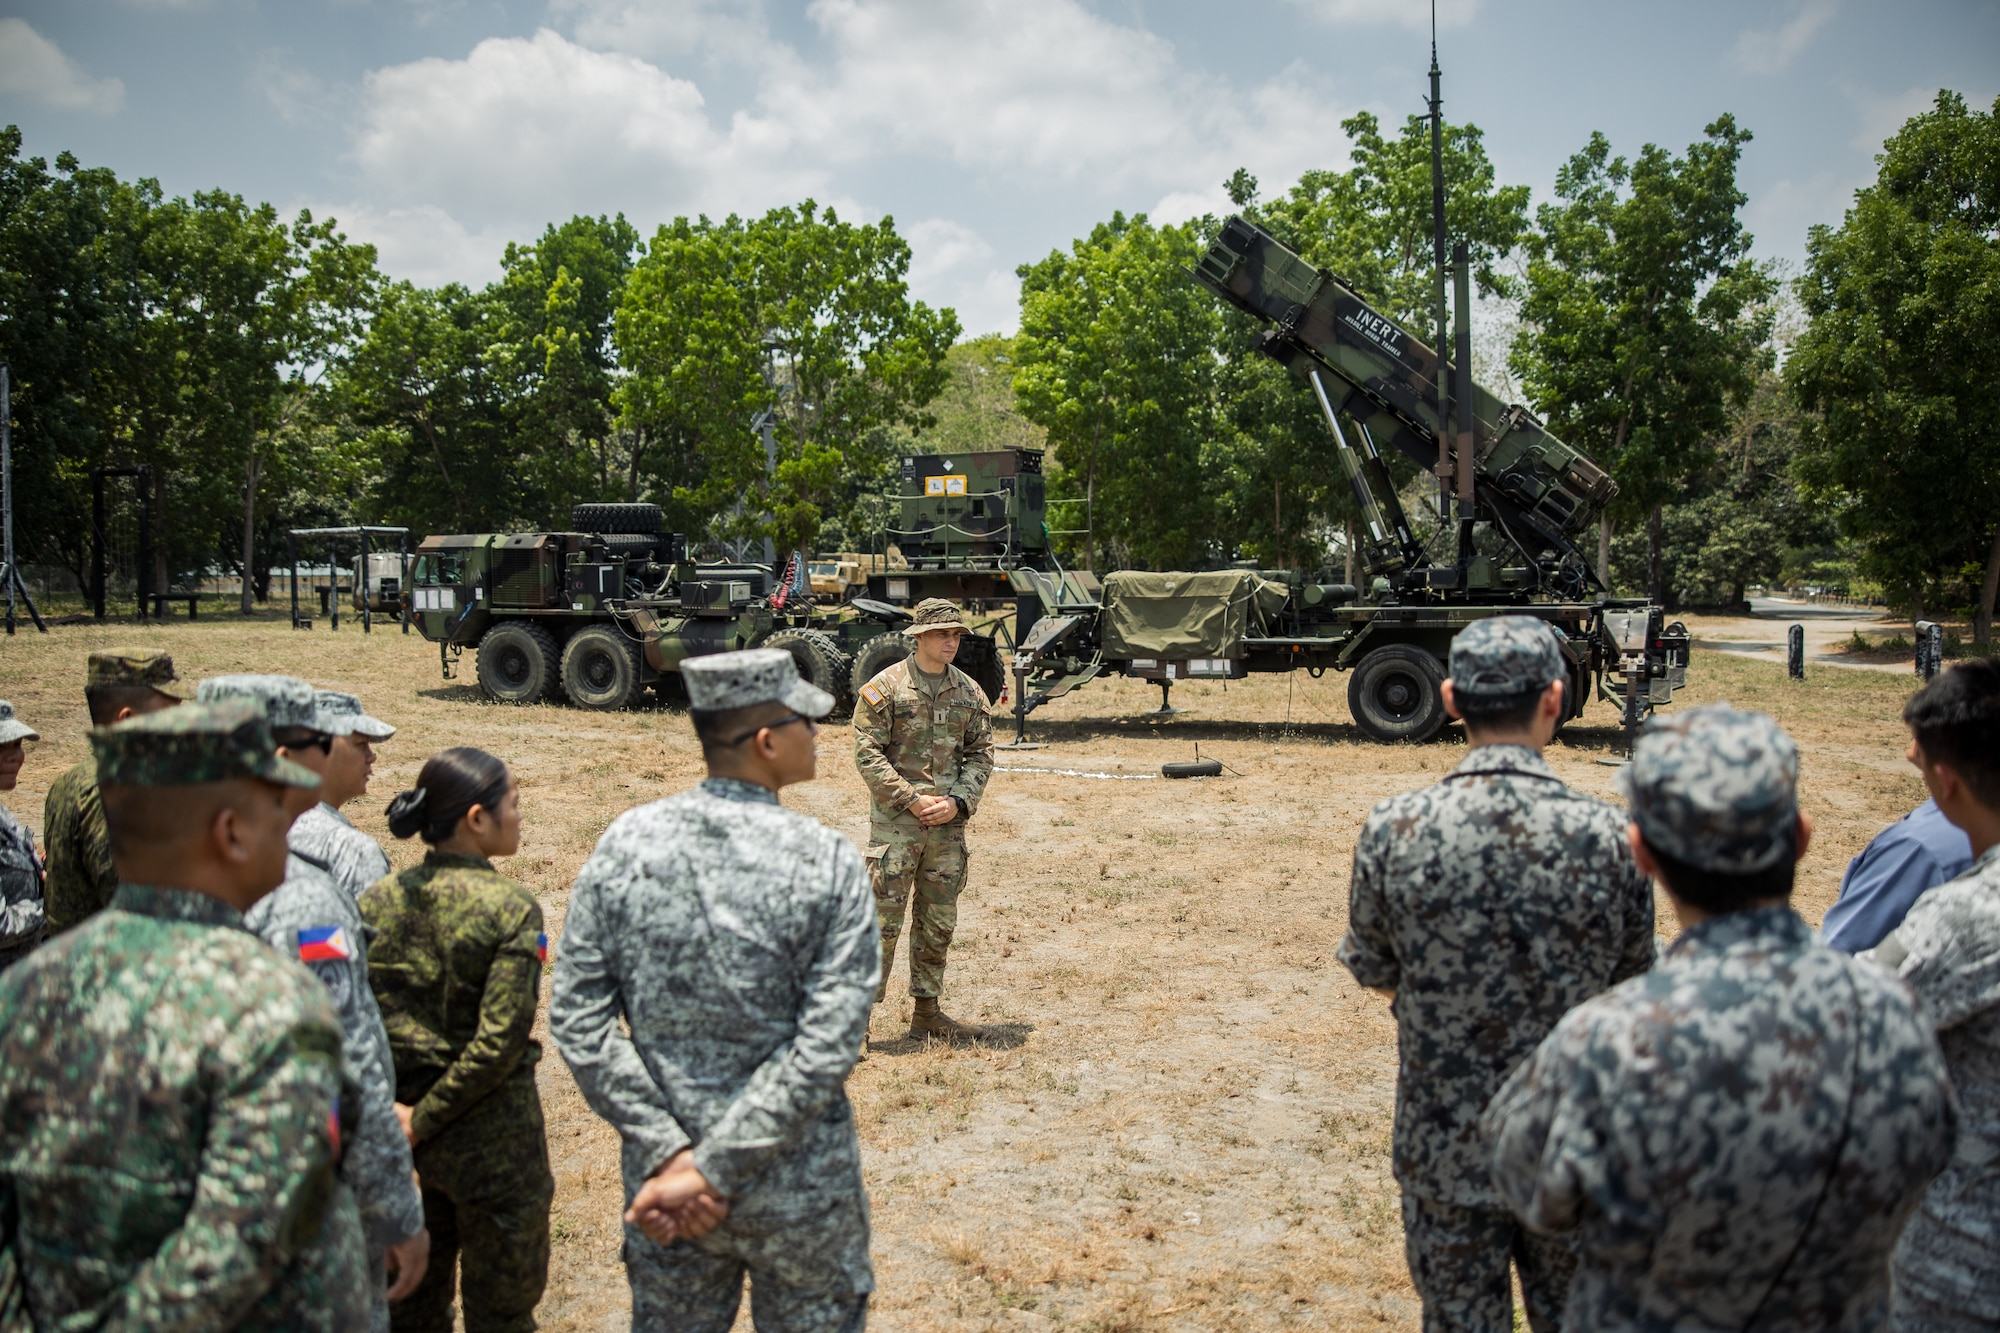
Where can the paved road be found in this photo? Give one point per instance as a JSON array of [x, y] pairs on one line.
[[1763, 636]]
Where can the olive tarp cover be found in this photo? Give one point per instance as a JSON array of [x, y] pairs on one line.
[[1178, 617]]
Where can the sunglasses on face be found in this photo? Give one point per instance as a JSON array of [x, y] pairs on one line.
[[784, 721], [307, 740]]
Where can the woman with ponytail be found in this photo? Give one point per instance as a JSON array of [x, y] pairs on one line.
[[456, 964]]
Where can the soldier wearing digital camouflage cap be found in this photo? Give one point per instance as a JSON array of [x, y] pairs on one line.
[[171, 1098], [21, 921], [923, 741], [1735, 1138], [311, 919], [323, 835], [737, 942], [118, 683], [1488, 905]]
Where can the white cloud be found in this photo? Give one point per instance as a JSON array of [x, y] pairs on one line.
[[1879, 115], [728, 30], [1766, 51], [952, 265], [33, 67], [425, 244], [1412, 14]]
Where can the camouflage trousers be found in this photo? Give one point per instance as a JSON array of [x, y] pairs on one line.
[[487, 1190], [922, 869], [1459, 1259], [690, 1290]]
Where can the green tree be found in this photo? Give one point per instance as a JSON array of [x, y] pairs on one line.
[[1117, 363], [977, 409], [1645, 319], [1896, 366]]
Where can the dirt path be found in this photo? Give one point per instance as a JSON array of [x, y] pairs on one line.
[[1183, 1120]]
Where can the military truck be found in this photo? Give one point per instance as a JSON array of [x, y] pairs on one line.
[[1513, 501], [611, 608]]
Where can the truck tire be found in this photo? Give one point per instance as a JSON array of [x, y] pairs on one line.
[[600, 669], [820, 662], [1394, 694], [878, 655], [646, 519], [517, 662], [979, 658]]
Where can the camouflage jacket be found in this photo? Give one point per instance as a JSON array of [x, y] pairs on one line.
[[1742, 1130], [308, 918], [1948, 950], [325, 837], [921, 736], [81, 878], [169, 1102], [21, 923], [457, 967], [737, 941], [1492, 903]]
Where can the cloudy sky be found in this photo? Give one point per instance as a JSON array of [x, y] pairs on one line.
[[991, 130]]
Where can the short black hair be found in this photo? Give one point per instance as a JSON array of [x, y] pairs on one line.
[[105, 701], [1956, 720], [1721, 891], [1499, 712], [716, 727]]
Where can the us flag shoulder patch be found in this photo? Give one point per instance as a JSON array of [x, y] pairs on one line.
[[872, 695], [322, 944]]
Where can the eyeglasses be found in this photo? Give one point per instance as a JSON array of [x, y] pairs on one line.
[[784, 721], [302, 740]]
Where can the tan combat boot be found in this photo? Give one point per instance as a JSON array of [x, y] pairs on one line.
[[931, 1021]]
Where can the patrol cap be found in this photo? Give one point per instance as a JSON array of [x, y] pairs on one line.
[[134, 666], [934, 613], [1715, 788], [1506, 655], [195, 743], [340, 714], [287, 701], [756, 676], [13, 728]]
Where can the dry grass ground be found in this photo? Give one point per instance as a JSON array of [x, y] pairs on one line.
[[1183, 1119]]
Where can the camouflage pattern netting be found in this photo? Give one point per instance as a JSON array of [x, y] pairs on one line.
[[738, 940], [134, 666], [1736, 1136], [1506, 655], [168, 1099], [1945, 949], [193, 744], [1716, 788], [756, 676]]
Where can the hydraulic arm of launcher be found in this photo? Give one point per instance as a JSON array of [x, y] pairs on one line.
[[1542, 493]]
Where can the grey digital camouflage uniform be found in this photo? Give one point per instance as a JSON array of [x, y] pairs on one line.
[[1947, 1265], [738, 941], [1491, 903], [21, 921], [311, 919], [1737, 1136], [354, 860]]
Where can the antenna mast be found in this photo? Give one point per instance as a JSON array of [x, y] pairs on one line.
[[1445, 467]]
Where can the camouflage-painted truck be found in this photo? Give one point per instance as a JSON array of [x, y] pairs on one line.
[[1514, 501], [610, 609]]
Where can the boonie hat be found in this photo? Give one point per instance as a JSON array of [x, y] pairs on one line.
[[754, 676], [192, 744], [340, 714], [934, 613], [150, 667], [1505, 655], [287, 701], [13, 728], [1716, 788]]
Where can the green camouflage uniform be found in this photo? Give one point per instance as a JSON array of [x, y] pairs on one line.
[[456, 964], [171, 1099], [918, 735], [80, 877]]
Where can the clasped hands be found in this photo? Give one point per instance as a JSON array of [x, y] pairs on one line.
[[932, 811], [677, 1202]]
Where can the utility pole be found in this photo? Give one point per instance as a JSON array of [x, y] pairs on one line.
[[10, 573]]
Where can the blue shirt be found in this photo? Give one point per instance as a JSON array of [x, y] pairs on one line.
[[1915, 854]]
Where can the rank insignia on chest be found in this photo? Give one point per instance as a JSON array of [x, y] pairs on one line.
[[542, 947], [322, 944], [872, 695]]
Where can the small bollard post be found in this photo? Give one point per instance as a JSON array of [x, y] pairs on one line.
[[1795, 653], [1929, 648]]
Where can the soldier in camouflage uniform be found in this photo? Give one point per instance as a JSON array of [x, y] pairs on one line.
[[1736, 1137], [1488, 905], [322, 834], [310, 918], [1947, 1265], [923, 741], [457, 964], [737, 940], [21, 922], [171, 1099], [118, 683]]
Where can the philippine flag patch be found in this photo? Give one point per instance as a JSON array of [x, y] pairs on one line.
[[333, 1126], [542, 947], [322, 944]]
